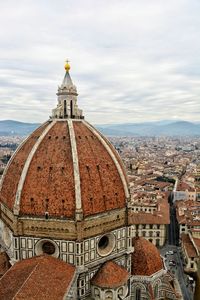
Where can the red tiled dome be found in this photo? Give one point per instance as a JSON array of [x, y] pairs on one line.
[[64, 166], [110, 275], [146, 259]]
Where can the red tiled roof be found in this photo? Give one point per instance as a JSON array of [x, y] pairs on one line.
[[189, 247], [110, 275], [159, 217], [183, 186], [41, 277], [187, 212], [146, 259], [197, 242]]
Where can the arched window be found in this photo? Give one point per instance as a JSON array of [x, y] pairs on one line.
[[65, 108], [108, 295], [71, 109], [138, 294], [120, 292], [156, 291]]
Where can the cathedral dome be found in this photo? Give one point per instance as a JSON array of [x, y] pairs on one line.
[[146, 259], [64, 167]]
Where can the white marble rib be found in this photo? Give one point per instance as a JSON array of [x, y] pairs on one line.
[[95, 132], [26, 167], [75, 167]]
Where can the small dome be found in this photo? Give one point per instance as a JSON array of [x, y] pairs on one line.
[[64, 166], [110, 275], [146, 259]]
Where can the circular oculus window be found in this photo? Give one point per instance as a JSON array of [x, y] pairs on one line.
[[106, 244], [47, 247]]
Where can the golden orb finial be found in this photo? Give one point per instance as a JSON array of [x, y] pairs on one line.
[[67, 66]]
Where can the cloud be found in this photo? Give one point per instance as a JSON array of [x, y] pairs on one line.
[[131, 60]]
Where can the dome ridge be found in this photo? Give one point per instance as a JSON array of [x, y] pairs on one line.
[[102, 140], [26, 167], [79, 212], [14, 154], [21, 148]]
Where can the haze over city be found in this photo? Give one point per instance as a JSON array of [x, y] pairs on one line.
[[133, 61]]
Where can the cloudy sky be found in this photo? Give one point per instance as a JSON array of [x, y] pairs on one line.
[[132, 61]]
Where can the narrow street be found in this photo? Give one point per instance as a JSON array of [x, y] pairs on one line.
[[178, 268], [173, 237]]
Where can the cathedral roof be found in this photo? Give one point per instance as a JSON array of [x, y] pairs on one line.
[[110, 275], [40, 277], [63, 169], [146, 259], [64, 165]]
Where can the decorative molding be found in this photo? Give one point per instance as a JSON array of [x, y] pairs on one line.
[[79, 212]]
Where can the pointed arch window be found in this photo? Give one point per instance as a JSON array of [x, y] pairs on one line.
[[71, 109], [138, 294], [156, 291], [65, 108]]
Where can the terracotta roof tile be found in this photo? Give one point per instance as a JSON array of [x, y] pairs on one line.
[[160, 216], [110, 275], [41, 277], [101, 186], [14, 170], [146, 259], [197, 242], [187, 212], [49, 184], [183, 186], [188, 245]]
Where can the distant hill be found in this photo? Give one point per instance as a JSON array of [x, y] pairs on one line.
[[12, 128], [160, 128]]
